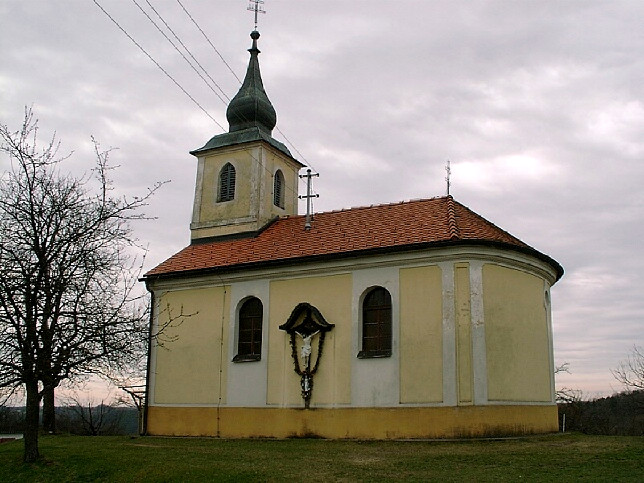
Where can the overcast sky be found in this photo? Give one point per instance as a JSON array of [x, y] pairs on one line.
[[538, 105]]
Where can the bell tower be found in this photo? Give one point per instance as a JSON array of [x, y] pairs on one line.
[[245, 177]]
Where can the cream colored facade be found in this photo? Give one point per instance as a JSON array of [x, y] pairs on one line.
[[471, 350]]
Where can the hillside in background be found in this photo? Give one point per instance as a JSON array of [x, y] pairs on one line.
[[619, 414], [94, 420]]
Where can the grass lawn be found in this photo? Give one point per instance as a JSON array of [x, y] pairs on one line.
[[542, 458]]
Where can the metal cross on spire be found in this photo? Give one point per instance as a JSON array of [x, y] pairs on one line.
[[256, 6]]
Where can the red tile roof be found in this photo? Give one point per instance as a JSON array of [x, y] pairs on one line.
[[382, 228]]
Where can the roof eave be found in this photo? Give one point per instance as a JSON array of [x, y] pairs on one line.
[[241, 138], [558, 269]]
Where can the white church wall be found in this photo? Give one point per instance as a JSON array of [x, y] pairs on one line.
[[375, 381], [247, 380]]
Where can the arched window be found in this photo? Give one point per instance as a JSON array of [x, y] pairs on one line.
[[376, 324], [278, 189], [226, 183], [249, 336]]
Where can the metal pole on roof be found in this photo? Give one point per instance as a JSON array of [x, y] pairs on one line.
[[308, 196]]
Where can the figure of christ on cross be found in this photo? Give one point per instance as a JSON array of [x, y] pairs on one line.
[[306, 348]]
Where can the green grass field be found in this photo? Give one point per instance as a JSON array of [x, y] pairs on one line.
[[543, 458]]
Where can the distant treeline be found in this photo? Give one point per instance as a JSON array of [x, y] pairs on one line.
[[619, 414], [88, 420]]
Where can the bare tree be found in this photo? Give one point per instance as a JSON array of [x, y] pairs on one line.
[[630, 372], [565, 394], [68, 304], [137, 396], [91, 419]]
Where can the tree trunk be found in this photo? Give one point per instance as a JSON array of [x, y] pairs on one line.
[[32, 417], [49, 410]]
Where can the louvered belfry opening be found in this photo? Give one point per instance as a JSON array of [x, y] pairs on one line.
[[278, 189], [227, 183]]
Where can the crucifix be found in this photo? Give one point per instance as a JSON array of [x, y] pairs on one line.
[[307, 323], [256, 6]]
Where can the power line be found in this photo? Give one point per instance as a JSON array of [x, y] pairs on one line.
[[158, 65], [240, 81], [174, 80], [296, 150], [177, 49], [208, 40], [185, 48]]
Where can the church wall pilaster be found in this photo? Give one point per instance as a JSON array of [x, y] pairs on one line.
[[548, 307], [479, 349], [449, 335], [158, 295], [463, 333], [196, 207]]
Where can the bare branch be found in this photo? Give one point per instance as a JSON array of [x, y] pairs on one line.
[[565, 367], [566, 395], [630, 372]]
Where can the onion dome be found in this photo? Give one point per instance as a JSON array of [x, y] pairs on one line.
[[251, 106]]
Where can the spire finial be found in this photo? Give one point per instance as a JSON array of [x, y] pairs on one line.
[[254, 35], [256, 7], [448, 178], [251, 108]]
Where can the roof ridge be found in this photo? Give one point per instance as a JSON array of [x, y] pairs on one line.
[[379, 205], [451, 219]]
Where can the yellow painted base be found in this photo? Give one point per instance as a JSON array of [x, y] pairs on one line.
[[358, 423]]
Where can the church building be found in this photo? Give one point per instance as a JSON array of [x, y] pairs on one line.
[[416, 319]]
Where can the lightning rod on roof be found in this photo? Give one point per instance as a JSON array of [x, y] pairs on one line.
[[256, 6], [448, 170], [308, 196]]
